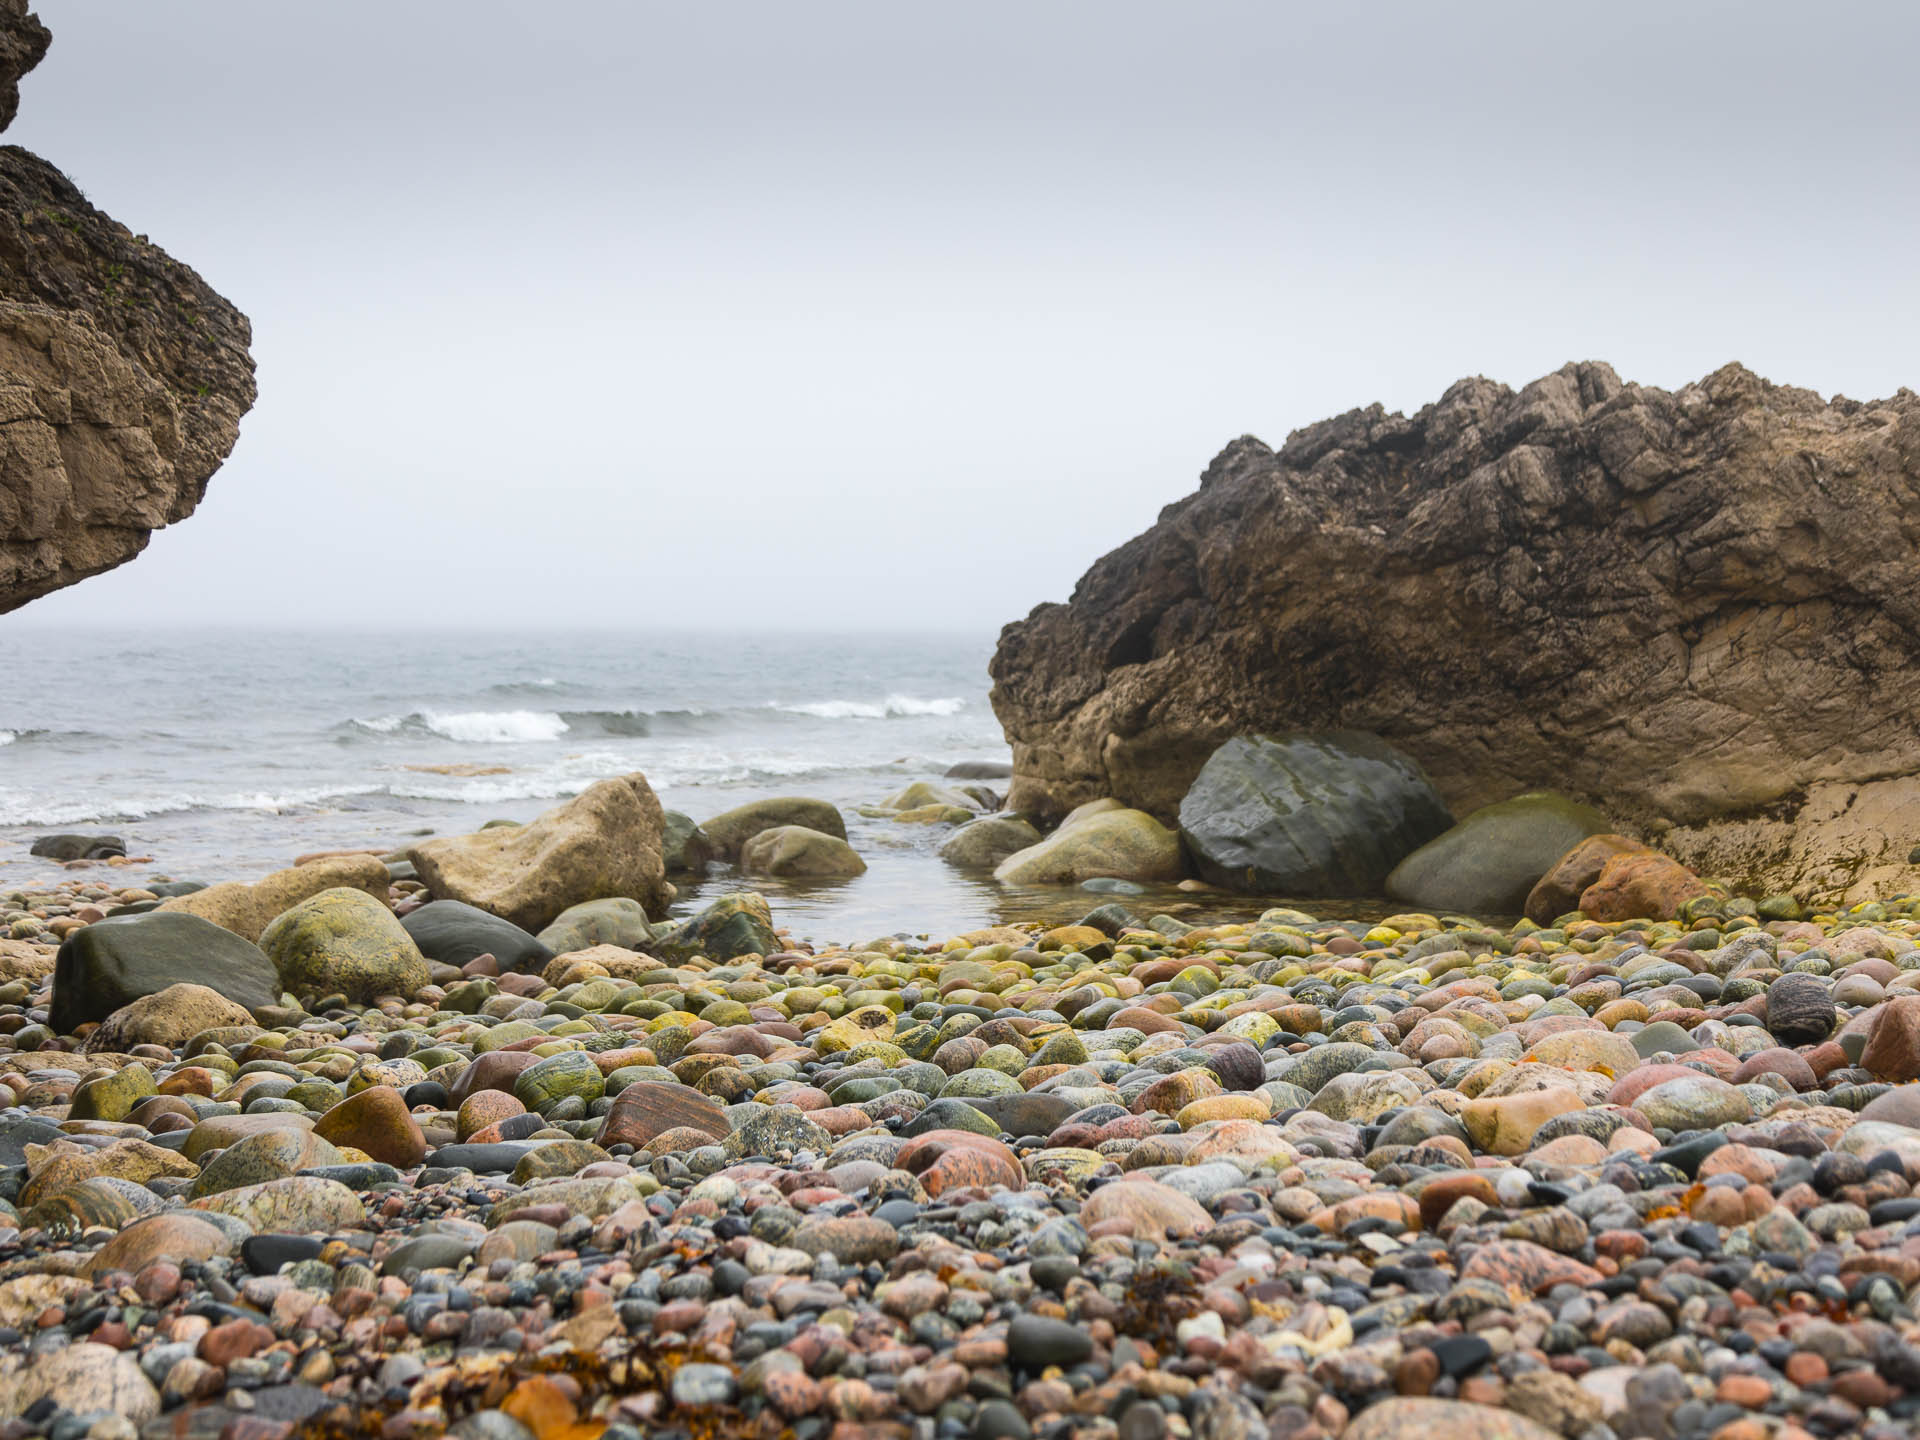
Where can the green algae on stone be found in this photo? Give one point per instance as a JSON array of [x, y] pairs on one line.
[[344, 941]]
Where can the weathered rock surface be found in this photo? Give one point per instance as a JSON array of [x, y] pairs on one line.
[[1307, 813], [123, 376], [684, 845], [796, 850], [615, 921], [734, 925], [23, 45], [605, 842], [1490, 862], [1558, 891], [249, 909], [985, 842], [1496, 584], [344, 942], [728, 833], [168, 1017], [454, 933], [78, 847], [1126, 844], [114, 962]]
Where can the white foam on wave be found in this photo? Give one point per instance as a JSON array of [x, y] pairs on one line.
[[891, 708], [21, 809], [7, 737], [496, 727], [475, 727]]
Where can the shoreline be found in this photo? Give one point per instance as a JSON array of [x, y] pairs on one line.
[[1306, 1174]]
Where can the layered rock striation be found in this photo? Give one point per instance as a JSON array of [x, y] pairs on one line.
[[1698, 610], [123, 375]]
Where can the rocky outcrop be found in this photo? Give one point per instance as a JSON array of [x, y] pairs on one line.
[[1691, 609], [23, 45], [123, 376]]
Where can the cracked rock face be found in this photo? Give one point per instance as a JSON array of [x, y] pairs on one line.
[[123, 376], [1698, 610]]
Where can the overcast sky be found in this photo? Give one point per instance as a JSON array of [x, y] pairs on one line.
[[899, 315]]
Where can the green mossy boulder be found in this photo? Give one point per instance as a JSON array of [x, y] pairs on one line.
[[344, 942]]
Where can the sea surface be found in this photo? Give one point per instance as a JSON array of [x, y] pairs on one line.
[[224, 754]]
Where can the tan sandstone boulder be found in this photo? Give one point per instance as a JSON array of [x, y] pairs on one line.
[[1123, 844], [795, 850], [247, 910], [169, 1017], [603, 843]]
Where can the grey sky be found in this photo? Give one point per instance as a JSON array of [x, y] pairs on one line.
[[896, 315]]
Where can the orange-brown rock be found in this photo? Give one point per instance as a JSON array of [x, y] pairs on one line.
[[1644, 886], [1149, 1210], [1558, 891], [649, 1108], [377, 1121], [951, 1159], [1893, 1046]]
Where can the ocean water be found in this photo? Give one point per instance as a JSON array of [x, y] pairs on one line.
[[223, 755]]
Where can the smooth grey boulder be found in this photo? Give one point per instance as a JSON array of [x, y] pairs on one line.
[[1308, 813], [454, 932], [115, 961], [1490, 861]]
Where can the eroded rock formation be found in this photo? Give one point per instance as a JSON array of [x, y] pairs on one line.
[[1699, 611], [123, 376]]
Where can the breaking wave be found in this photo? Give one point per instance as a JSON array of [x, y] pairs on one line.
[[17, 809], [518, 727]]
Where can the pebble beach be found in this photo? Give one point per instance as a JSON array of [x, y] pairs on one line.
[[1115, 1176]]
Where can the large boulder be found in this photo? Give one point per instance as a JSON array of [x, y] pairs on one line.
[[797, 851], [728, 833], [249, 909], [1640, 887], [1489, 863], [982, 844], [112, 963], [1307, 814], [454, 932], [1558, 891], [344, 942], [732, 926], [604, 842], [1122, 844], [1630, 596], [168, 1017], [23, 45], [123, 376]]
